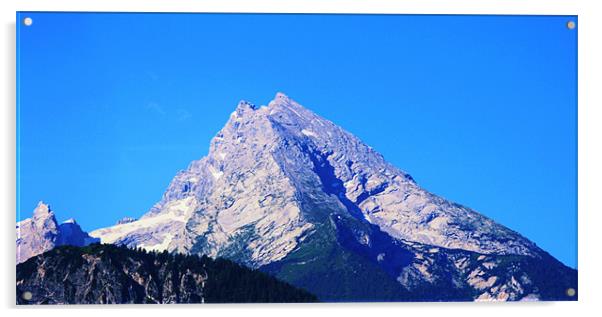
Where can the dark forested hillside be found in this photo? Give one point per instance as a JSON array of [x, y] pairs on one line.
[[108, 274]]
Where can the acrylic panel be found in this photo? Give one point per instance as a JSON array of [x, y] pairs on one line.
[[258, 158]]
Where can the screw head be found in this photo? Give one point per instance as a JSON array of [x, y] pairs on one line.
[[27, 21], [27, 295], [570, 25], [571, 292]]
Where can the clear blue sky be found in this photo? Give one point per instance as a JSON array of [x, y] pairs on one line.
[[478, 109]]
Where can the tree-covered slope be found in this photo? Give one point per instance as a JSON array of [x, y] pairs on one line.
[[108, 274]]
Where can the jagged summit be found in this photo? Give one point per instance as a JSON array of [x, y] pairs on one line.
[[42, 210], [279, 100], [282, 187], [244, 106], [305, 155], [42, 232]]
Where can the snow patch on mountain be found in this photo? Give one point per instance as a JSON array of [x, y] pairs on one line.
[[157, 229]]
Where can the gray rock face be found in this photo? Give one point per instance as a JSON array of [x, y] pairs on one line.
[[266, 160], [42, 233], [70, 233], [36, 234], [276, 186]]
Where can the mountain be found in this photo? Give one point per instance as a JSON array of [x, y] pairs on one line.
[[107, 274], [291, 193], [42, 232]]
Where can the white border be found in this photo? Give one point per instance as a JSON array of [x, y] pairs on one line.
[[590, 158], [311, 6]]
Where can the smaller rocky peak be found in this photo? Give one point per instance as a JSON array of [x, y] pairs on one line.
[[70, 233], [42, 210], [43, 218]]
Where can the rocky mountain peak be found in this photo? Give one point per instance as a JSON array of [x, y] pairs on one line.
[[267, 162], [42, 210], [287, 191], [43, 219], [41, 233]]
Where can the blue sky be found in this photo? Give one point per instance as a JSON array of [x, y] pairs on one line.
[[478, 109]]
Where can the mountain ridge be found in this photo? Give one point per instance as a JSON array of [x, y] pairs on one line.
[[284, 109], [282, 187]]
